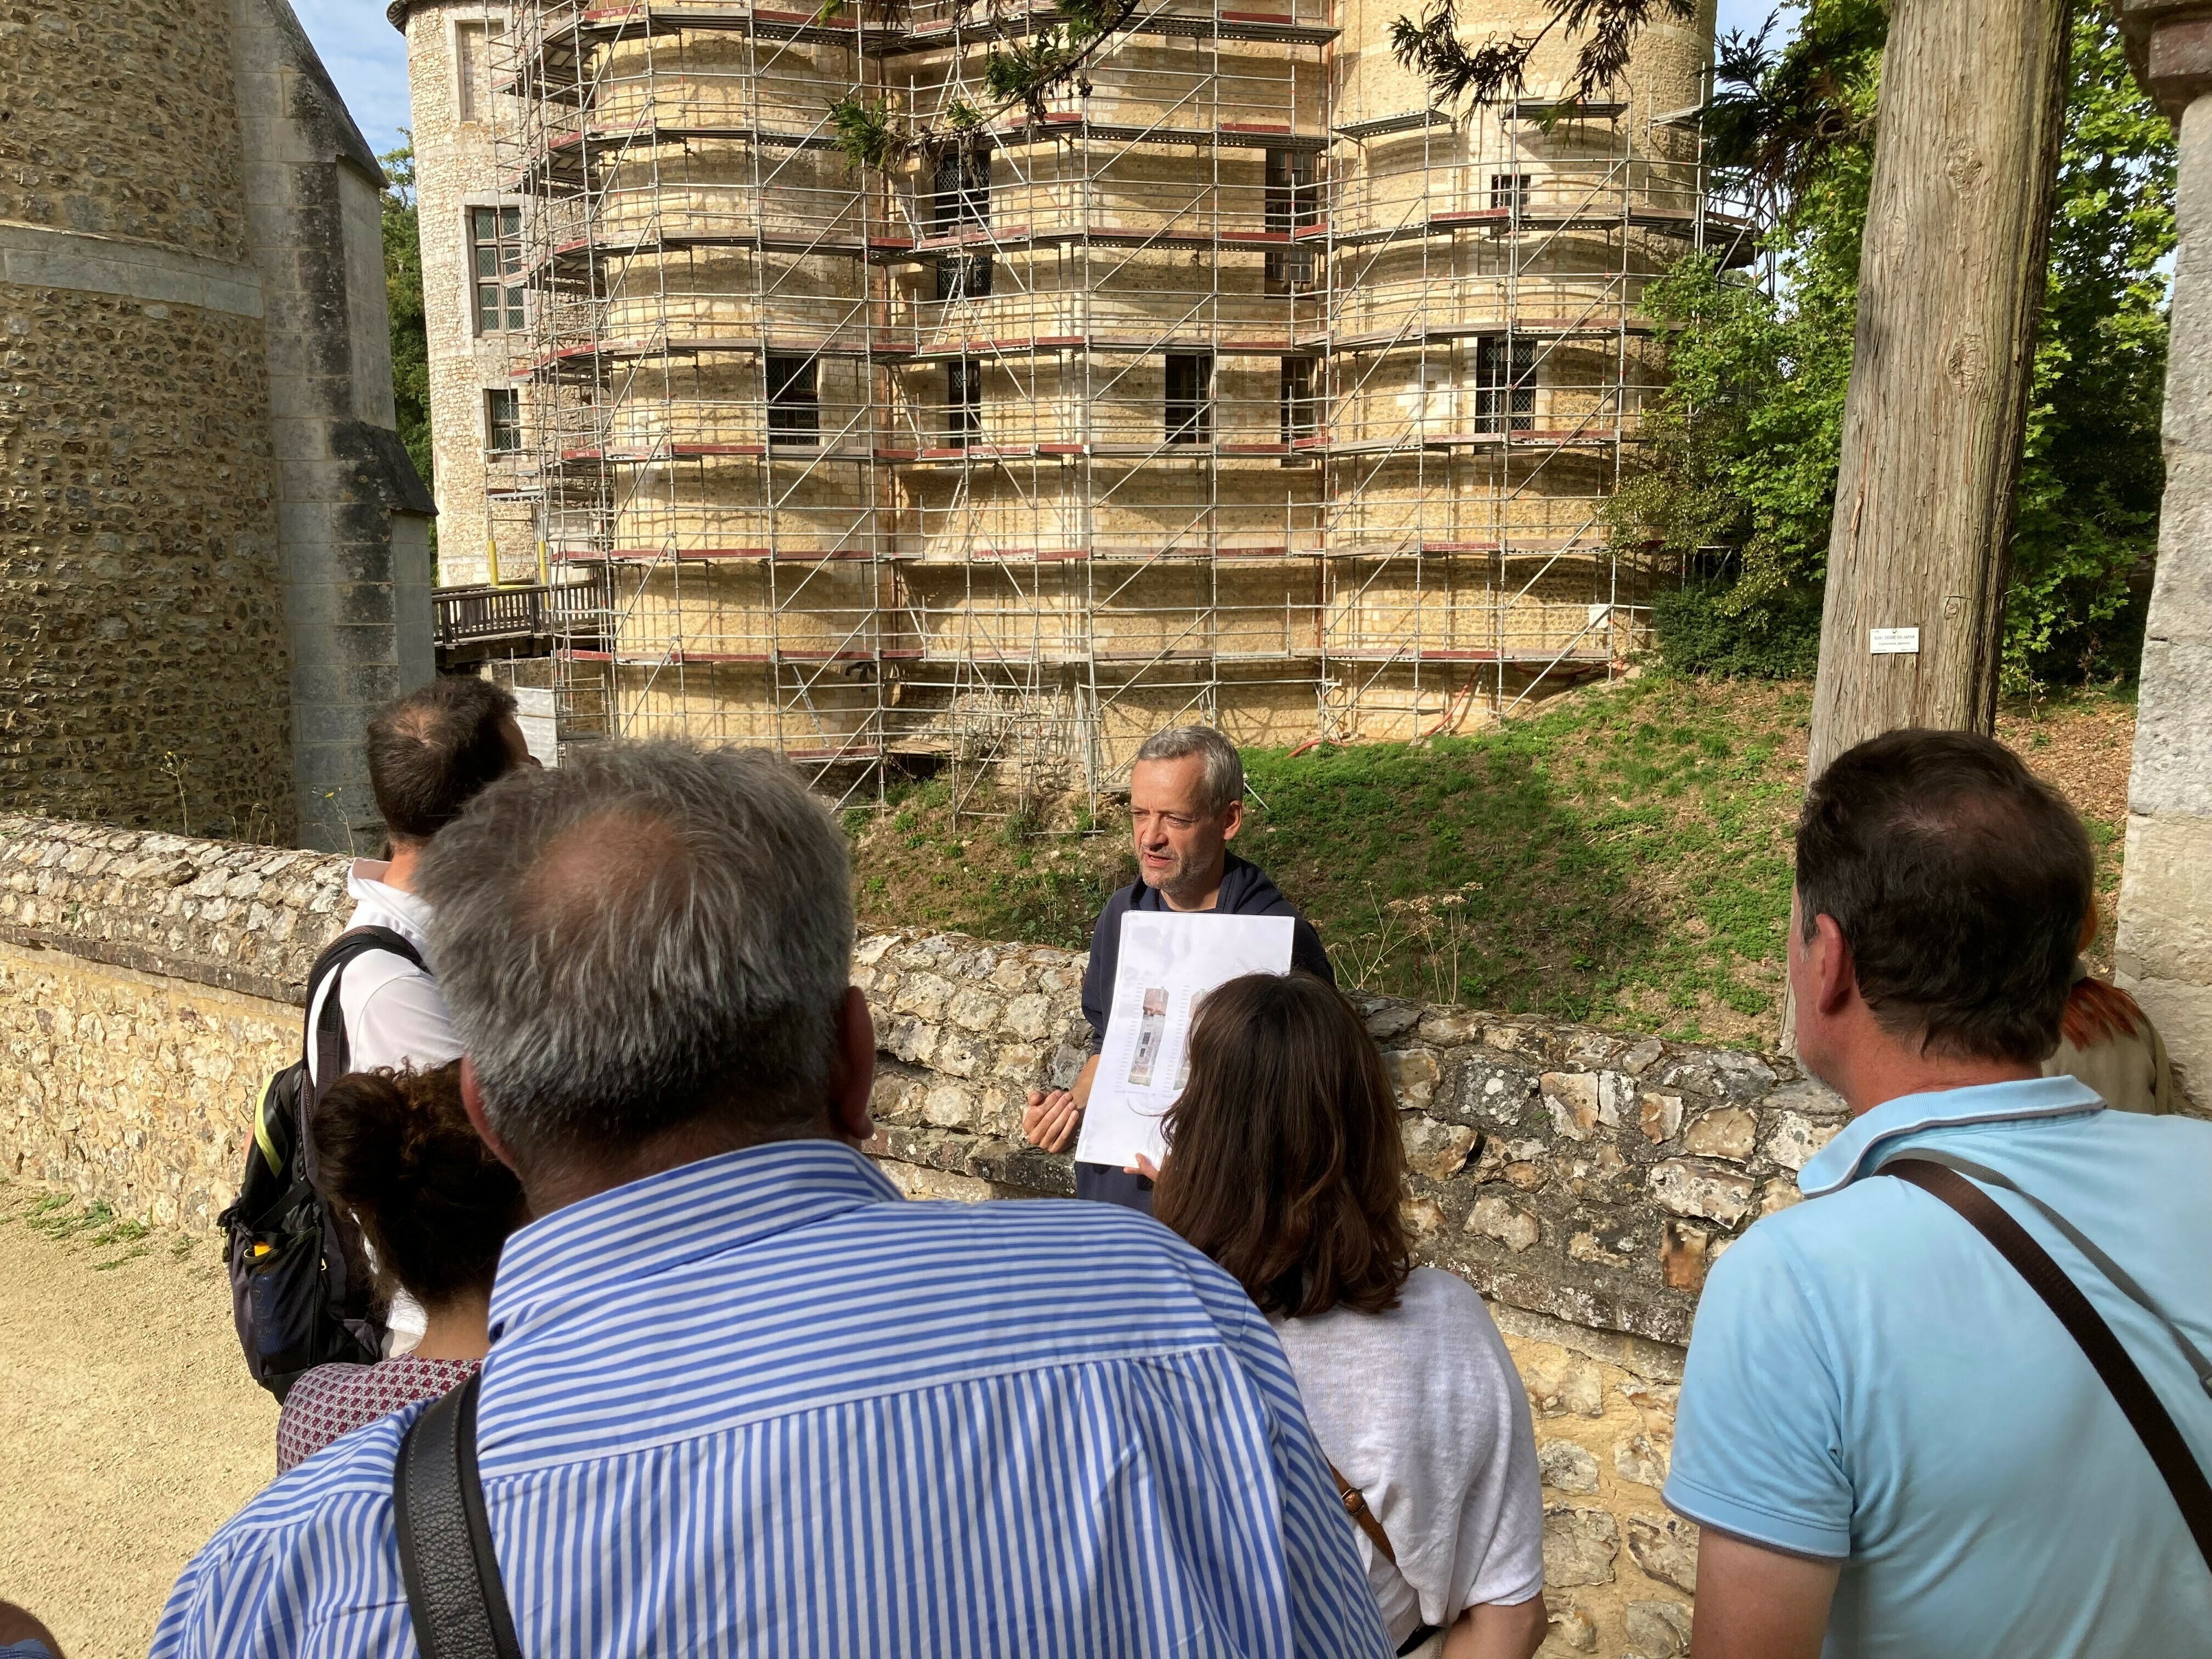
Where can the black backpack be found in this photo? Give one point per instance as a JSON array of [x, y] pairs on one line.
[[299, 1288]]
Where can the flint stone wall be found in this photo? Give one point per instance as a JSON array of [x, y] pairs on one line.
[[1585, 1180], [1578, 1174]]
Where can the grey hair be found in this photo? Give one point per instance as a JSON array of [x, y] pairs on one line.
[[1224, 767], [654, 933]]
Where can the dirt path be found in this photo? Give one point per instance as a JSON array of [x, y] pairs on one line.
[[129, 1430]]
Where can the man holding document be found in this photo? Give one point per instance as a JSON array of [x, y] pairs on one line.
[[1198, 915]]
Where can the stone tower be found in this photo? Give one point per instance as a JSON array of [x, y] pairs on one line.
[[213, 556], [1231, 382], [473, 318]]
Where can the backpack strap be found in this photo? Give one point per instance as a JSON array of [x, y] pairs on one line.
[[454, 1595], [2146, 1413], [325, 1046]]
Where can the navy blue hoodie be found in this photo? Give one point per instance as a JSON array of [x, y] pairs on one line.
[[1246, 891]]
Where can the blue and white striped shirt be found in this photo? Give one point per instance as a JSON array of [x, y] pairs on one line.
[[759, 1406]]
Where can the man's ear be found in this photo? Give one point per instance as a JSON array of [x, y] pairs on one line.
[[1232, 820], [1835, 976], [852, 1070], [473, 1101]]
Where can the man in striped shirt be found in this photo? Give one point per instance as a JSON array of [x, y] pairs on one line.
[[742, 1400]]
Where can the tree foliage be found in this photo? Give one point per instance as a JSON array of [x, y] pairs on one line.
[[402, 296], [1744, 443], [1022, 73], [2093, 472], [1497, 69]]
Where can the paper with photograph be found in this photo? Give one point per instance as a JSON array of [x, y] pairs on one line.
[[1168, 962]]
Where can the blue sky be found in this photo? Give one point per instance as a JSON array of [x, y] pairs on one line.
[[367, 57]]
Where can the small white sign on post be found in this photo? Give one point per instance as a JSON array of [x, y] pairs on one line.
[[1893, 641]]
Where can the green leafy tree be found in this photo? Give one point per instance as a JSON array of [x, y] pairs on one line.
[[403, 295], [2093, 475], [1745, 441]]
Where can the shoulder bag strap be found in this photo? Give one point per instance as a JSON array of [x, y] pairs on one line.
[[1355, 1505], [2119, 1277], [454, 1595], [2145, 1412]]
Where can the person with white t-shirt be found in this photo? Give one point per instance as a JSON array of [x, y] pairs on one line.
[[430, 752], [1285, 1166]]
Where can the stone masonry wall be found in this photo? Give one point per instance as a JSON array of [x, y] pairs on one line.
[[142, 632], [142, 635], [1583, 1180]]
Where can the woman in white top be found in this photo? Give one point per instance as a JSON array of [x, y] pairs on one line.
[[1287, 1168]]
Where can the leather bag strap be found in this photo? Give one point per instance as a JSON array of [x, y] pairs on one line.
[[1355, 1505], [2145, 1412], [454, 1595]]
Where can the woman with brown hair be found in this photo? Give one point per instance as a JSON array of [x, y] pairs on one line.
[[1285, 1167], [398, 1150]]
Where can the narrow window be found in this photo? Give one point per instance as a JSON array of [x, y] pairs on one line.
[[794, 403], [1190, 397], [502, 422], [964, 403], [1293, 202], [1504, 383], [964, 277], [496, 243], [1299, 404], [962, 193], [1508, 192], [475, 40]]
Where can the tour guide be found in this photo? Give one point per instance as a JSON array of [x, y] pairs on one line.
[[1186, 805]]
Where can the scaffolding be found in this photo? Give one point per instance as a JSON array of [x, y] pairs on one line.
[[1164, 401]]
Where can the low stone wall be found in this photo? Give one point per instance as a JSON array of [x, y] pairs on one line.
[[1583, 1180]]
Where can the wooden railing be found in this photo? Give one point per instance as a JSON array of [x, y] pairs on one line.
[[528, 614]]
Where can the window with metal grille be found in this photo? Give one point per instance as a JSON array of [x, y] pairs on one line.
[[495, 255], [964, 402], [1504, 383], [1301, 409], [1190, 397], [795, 402], [1293, 202], [502, 422], [964, 277], [963, 188], [1508, 192]]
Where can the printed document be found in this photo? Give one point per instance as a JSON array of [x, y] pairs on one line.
[[1168, 962]]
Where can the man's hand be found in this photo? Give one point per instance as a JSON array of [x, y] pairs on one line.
[[1050, 1121]]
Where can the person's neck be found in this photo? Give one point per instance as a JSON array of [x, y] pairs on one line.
[[1877, 1076], [1202, 894], [558, 1186], [400, 866], [458, 1327]]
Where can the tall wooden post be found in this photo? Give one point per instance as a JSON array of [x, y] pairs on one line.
[[1951, 278]]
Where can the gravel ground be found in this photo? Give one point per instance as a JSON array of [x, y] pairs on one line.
[[128, 1428]]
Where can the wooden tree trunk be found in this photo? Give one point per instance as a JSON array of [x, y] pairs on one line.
[[1951, 279]]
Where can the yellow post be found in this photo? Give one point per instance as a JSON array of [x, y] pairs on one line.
[[491, 557], [544, 564]]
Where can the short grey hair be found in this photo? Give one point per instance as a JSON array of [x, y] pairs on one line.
[[1224, 767], [652, 933]]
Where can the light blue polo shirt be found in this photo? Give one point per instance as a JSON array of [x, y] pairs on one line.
[[1868, 1378]]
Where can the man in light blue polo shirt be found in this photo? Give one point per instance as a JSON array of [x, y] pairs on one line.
[[1892, 1445]]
